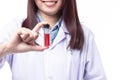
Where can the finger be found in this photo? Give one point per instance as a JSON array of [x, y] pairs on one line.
[[38, 26], [32, 41], [35, 35], [39, 48], [29, 38], [23, 32], [24, 36]]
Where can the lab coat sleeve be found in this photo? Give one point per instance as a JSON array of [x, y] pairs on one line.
[[4, 59], [2, 62], [5, 34], [93, 66]]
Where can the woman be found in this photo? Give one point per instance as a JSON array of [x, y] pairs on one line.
[[72, 54]]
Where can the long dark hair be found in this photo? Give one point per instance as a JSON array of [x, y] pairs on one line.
[[70, 16]]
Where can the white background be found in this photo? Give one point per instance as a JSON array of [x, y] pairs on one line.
[[101, 16]]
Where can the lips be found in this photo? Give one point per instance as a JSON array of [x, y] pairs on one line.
[[49, 3]]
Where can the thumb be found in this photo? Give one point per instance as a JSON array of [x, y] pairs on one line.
[[39, 48]]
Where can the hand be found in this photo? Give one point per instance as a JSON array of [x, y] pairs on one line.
[[24, 40]]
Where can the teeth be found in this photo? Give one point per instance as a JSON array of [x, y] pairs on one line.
[[50, 1]]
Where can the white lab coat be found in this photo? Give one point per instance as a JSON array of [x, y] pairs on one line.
[[57, 62]]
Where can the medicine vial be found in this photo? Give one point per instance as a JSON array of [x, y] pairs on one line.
[[46, 35]]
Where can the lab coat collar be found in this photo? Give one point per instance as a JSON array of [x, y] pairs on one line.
[[63, 26], [62, 33]]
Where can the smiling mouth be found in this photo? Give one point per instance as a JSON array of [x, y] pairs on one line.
[[49, 3], [45, 1]]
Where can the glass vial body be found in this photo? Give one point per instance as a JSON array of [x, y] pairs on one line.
[[47, 35]]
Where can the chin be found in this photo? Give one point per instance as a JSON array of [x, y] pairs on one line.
[[51, 13]]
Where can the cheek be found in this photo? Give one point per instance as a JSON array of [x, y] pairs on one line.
[[38, 3], [59, 6], [60, 3]]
